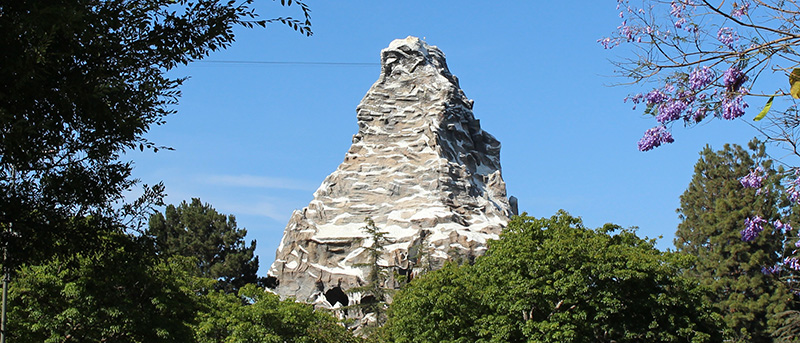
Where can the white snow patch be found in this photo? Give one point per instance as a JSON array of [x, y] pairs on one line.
[[431, 212], [341, 270], [350, 230]]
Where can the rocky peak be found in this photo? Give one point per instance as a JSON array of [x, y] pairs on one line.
[[420, 167]]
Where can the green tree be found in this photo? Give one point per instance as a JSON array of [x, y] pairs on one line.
[[197, 230], [713, 211], [120, 293], [256, 315], [553, 280], [82, 82], [376, 292], [448, 302]]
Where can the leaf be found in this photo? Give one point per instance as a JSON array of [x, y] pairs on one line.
[[766, 108], [795, 91], [794, 77]]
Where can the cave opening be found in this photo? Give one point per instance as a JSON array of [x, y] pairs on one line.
[[337, 295]]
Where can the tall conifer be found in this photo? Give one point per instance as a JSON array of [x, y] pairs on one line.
[[713, 212], [198, 230]]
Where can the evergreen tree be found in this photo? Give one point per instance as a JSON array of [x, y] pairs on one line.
[[376, 292], [713, 211], [198, 230]]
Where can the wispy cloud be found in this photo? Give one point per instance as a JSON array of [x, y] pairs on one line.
[[253, 181], [262, 209]]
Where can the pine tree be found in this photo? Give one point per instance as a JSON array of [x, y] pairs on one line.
[[713, 211], [376, 292], [198, 230]]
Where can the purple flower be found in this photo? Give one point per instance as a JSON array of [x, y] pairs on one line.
[[733, 108], [628, 33], [733, 79], [635, 99], [753, 179], [784, 227], [792, 263], [752, 228], [794, 196], [654, 137], [608, 43], [794, 188], [771, 270], [670, 111], [700, 77], [727, 36], [740, 10], [655, 97]]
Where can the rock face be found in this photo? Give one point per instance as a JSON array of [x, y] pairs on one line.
[[420, 167]]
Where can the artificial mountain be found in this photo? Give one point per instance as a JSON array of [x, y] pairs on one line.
[[420, 167]]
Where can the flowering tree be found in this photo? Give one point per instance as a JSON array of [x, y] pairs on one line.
[[701, 61], [704, 60]]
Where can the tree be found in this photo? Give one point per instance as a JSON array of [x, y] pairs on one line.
[[82, 82], [705, 59], [376, 292], [440, 306], [256, 315], [197, 230], [122, 293], [712, 211], [553, 280]]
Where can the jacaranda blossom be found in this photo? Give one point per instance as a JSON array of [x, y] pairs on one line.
[[728, 37], [733, 108], [753, 180], [753, 227], [700, 77], [654, 138]]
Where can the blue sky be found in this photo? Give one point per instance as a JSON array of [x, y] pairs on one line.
[[256, 140]]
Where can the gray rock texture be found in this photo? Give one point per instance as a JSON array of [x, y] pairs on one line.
[[420, 167]]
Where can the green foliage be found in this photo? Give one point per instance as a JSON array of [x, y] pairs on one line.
[[259, 316], [198, 230], [448, 302], [713, 210], [119, 294], [764, 110], [82, 82], [553, 280], [127, 294], [376, 288]]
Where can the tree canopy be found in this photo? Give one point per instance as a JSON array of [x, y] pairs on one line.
[[197, 230], [554, 280], [82, 82], [737, 271], [121, 293]]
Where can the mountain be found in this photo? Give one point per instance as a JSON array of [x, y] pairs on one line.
[[420, 167]]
